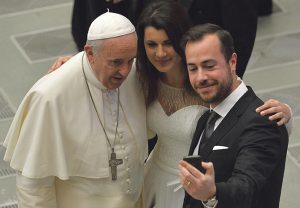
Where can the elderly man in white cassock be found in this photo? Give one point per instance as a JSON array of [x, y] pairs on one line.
[[78, 139]]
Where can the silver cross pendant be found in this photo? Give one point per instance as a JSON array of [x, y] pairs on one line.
[[113, 163]]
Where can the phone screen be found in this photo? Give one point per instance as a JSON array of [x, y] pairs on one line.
[[195, 160]]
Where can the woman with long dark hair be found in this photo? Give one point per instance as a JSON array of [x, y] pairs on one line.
[[173, 108]]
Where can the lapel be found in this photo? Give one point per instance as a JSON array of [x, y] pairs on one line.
[[228, 122], [200, 126]]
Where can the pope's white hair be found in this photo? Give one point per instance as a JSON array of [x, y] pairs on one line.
[[96, 45]]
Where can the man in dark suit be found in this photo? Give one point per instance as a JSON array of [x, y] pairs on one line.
[[245, 154]]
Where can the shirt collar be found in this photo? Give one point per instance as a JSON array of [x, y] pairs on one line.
[[225, 106]]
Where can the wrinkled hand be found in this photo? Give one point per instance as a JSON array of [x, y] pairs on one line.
[[200, 186], [276, 111], [60, 61]]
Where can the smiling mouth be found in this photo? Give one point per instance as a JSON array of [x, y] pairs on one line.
[[205, 88], [163, 62]]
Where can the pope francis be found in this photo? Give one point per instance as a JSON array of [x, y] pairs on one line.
[[78, 139]]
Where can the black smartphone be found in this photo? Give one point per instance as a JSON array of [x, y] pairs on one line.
[[195, 160]]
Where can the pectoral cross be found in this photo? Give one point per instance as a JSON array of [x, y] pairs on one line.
[[113, 163]]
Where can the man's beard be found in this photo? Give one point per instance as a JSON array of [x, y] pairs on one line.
[[223, 90]]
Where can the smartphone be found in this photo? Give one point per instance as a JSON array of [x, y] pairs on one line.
[[195, 160]]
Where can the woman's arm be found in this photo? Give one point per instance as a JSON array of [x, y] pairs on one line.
[[277, 111], [58, 62]]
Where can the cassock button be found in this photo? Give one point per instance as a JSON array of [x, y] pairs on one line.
[[127, 169], [123, 147], [128, 180], [126, 158]]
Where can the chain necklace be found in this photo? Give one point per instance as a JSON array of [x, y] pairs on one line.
[[113, 162]]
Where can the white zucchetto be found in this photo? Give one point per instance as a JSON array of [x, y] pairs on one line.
[[109, 25]]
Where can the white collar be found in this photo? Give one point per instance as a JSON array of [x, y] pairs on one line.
[[225, 106]]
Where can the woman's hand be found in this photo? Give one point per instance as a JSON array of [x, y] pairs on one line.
[[60, 61], [276, 110]]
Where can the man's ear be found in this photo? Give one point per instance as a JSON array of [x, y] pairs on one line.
[[233, 63], [89, 53]]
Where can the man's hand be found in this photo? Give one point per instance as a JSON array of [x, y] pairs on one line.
[[276, 111], [200, 186], [60, 61]]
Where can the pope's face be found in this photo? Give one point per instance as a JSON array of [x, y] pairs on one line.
[[211, 76], [113, 61], [160, 51]]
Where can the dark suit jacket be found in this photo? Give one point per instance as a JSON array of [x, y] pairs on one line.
[[250, 172]]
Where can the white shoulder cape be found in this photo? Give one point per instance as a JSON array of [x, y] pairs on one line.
[[55, 131]]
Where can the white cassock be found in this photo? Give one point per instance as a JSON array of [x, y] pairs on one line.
[[58, 146]]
